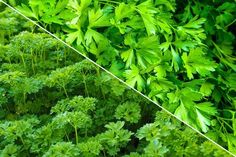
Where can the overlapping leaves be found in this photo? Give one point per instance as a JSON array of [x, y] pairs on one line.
[[161, 48]]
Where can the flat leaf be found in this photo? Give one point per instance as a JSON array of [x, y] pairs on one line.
[[24, 9], [134, 78], [206, 88], [207, 108], [128, 57], [147, 11], [203, 121], [123, 11], [195, 23], [98, 19], [195, 62]]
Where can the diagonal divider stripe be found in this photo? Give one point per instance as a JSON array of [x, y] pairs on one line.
[[120, 80]]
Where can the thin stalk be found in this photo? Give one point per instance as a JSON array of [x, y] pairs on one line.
[[76, 136], [23, 60], [65, 91], [23, 142], [65, 55], [67, 137], [104, 153], [230, 24], [222, 126], [9, 60], [98, 74], [85, 85], [32, 61], [24, 97]]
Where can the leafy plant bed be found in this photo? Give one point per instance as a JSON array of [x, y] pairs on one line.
[[179, 53], [55, 103]]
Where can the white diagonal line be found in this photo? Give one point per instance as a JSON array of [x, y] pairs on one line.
[[116, 77]]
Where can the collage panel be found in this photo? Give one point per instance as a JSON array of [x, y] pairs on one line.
[[55, 102]]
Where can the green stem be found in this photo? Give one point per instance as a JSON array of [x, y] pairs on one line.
[[65, 91], [85, 85], [24, 97], [65, 57], [100, 87], [222, 126], [230, 24], [32, 62], [23, 142], [67, 137], [76, 136], [104, 153], [23, 60], [9, 60]]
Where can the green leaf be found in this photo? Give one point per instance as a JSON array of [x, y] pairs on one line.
[[176, 60], [77, 35], [159, 86], [196, 115], [193, 29], [115, 126], [224, 19], [10, 150], [167, 3], [129, 111], [191, 94], [207, 108], [147, 11], [123, 10], [185, 45], [128, 57], [231, 143], [147, 51], [96, 43], [203, 121], [195, 62], [90, 148], [206, 88], [182, 113], [134, 79], [195, 23], [227, 6], [165, 46], [24, 9], [117, 68], [98, 19], [62, 149]]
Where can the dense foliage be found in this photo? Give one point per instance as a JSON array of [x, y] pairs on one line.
[[54, 103], [179, 53]]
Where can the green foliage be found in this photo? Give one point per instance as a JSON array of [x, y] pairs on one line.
[[115, 137], [62, 149], [129, 111], [90, 148], [179, 53], [39, 11], [11, 23], [54, 103]]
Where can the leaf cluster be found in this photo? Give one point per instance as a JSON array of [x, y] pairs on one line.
[[179, 53], [54, 103]]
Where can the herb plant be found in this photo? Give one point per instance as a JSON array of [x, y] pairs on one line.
[[55, 103], [179, 53]]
